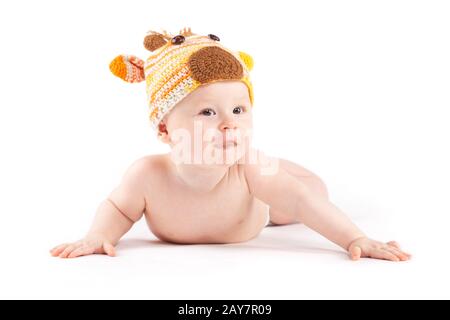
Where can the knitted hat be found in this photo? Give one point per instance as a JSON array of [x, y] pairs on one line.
[[180, 64]]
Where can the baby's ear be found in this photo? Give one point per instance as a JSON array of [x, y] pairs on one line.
[[163, 134], [128, 68], [248, 60], [154, 40]]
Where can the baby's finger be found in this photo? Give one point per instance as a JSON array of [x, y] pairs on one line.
[[355, 253], [58, 249], [58, 246], [405, 254], [398, 253], [68, 250], [394, 244], [384, 254], [81, 251], [109, 249]]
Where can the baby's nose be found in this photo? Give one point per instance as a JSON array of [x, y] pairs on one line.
[[228, 125]]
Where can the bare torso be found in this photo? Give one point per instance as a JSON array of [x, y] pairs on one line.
[[175, 212]]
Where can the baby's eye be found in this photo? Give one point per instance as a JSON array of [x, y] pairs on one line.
[[208, 112], [238, 110]]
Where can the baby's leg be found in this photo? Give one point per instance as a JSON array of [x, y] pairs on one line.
[[305, 176]]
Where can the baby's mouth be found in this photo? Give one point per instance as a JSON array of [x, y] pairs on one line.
[[229, 144], [226, 144]]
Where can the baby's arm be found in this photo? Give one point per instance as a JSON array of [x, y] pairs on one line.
[[114, 217], [289, 194]]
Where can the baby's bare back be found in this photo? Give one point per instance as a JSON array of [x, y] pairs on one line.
[[175, 212]]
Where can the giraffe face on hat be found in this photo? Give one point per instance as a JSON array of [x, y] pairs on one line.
[[212, 62], [206, 65]]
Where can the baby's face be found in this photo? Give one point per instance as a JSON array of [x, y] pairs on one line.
[[219, 114]]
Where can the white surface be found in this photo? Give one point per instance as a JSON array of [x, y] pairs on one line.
[[287, 262], [360, 96]]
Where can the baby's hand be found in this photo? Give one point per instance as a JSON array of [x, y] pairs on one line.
[[89, 245], [365, 247]]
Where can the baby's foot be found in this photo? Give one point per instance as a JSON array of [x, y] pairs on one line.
[[89, 245]]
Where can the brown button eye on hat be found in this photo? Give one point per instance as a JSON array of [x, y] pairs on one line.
[[213, 37], [178, 39]]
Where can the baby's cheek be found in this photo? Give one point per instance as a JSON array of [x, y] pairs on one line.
[[248, 122]]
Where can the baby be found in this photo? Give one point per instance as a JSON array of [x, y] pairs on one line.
[[212, 187]]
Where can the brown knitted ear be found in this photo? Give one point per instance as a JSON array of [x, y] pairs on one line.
[[213, 63], [154, 41]]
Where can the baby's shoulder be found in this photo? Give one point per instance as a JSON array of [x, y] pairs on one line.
[[256, 162], [149, 165]]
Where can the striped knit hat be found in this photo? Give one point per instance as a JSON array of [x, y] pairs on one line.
[[180, 64]]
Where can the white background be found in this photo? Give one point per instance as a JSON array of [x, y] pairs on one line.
[[356, 91]]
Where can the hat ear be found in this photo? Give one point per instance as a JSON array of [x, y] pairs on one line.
[[128, 68], [248, 60], [155, 40]]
